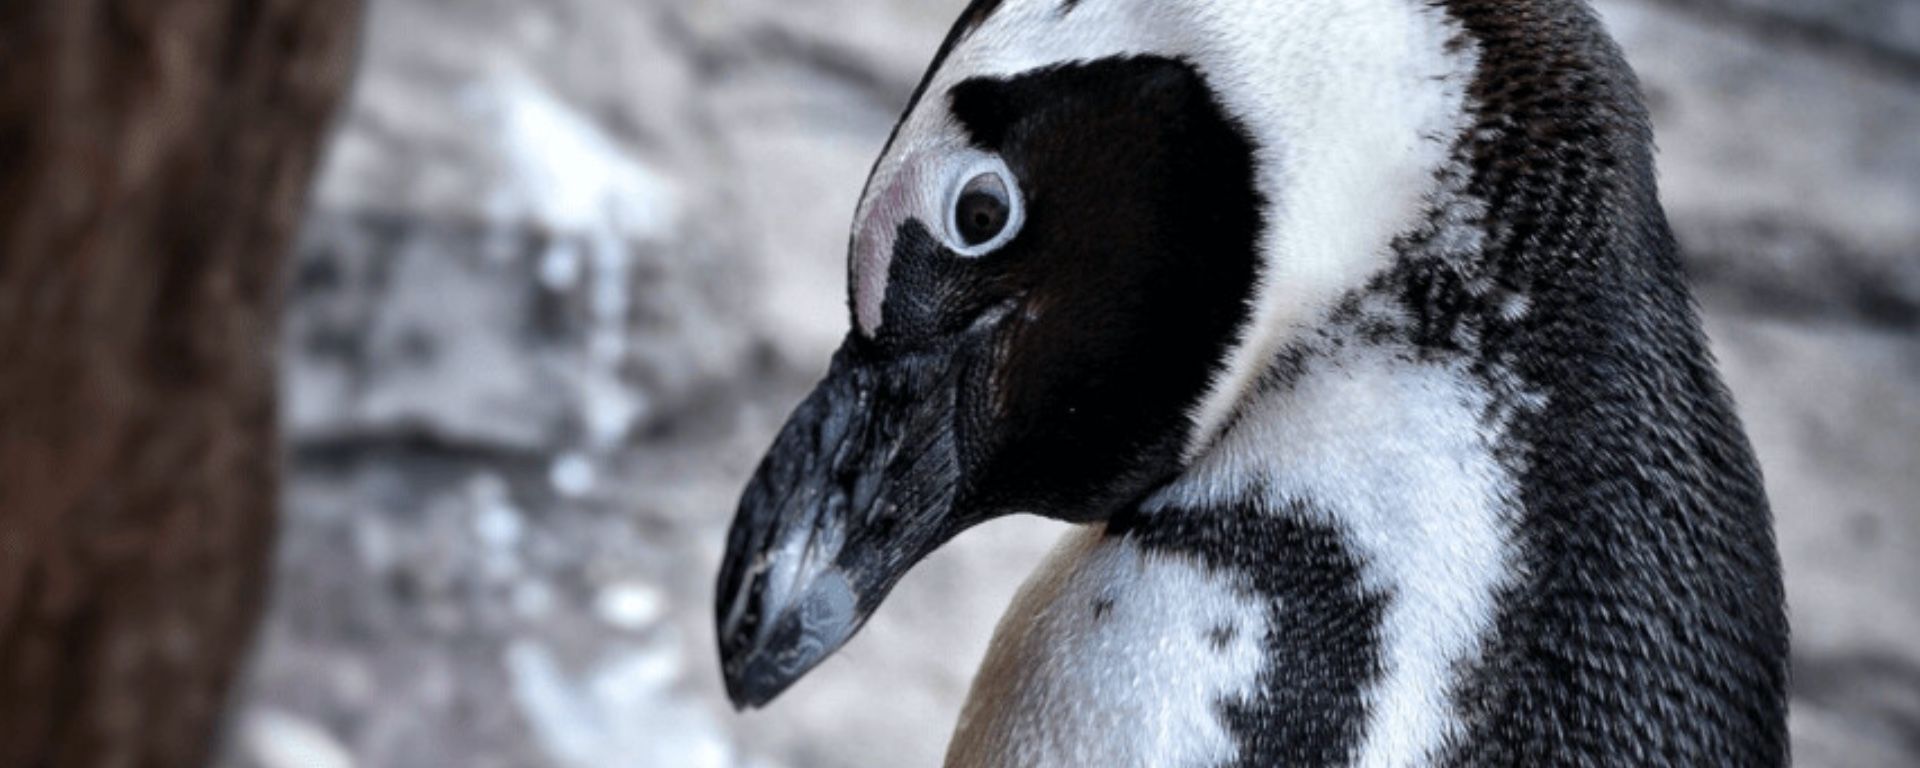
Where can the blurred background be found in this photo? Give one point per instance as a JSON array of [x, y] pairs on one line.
[[568, 264]]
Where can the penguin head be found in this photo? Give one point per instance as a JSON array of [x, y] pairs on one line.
[[1040, 293], [1053, 274]]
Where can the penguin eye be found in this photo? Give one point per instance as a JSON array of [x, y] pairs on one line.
[[985, 210], [981, 212]]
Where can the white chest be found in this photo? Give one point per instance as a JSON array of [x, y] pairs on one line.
[[1113, 656]]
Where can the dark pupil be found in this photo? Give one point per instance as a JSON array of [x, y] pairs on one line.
[[982, 209]]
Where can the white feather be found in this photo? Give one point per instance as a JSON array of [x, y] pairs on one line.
[[1137, 683], [1395, 455]]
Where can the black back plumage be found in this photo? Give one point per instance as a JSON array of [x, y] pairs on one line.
[[1649, 628]]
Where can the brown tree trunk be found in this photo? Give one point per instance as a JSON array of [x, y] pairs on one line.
[[154, 159]]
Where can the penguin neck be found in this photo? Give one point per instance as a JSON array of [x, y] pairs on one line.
[[1370, 486], [1370, 491]]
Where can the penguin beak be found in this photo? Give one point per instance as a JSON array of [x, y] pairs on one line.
[[858, 487]]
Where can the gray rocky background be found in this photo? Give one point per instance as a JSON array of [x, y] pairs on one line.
[[571, 261]]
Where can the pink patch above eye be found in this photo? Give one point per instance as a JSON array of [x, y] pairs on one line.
[[890, 204]]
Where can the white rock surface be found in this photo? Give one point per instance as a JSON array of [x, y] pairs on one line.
[[275, 739]]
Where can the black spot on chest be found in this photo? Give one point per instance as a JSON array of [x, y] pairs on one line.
[[1221, 636], [1102, 608]]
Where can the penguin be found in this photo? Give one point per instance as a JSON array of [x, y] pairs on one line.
[[1352, 337]]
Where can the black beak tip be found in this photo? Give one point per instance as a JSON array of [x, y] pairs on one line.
[[753, 682], [759, 667]]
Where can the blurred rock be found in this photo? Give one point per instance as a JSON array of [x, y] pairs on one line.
[[483, 335], [1883, 33], [1784, 171], [518, 241], [402, 326], [276, 739], [1855, 710], [1781, 270], [1834, 412], [591, 723]]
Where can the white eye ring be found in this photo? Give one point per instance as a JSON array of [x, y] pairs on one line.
[[959, 184]]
